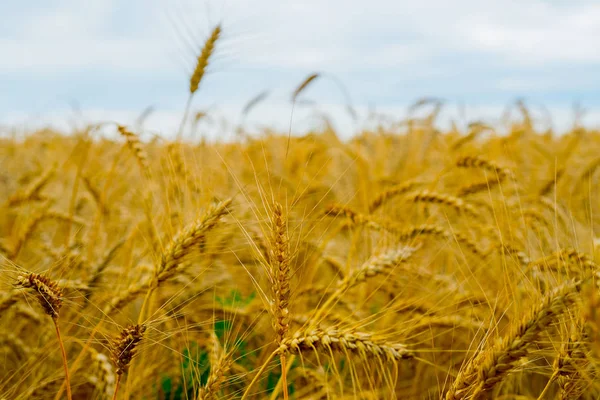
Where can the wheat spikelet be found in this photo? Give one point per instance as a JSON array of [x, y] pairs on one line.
[[48, 292], [203, 59], [438, 198], [332, 339], [390, 193], [217, 375], [524, 260], [570, 259], [477, 187], [309, 79], [377, 265], [49, 295], [135, 146], [192, 236], [499, 174], [476, 129], [481, 163], [124, 347], [280, 270], [491, 365], [254, 101]]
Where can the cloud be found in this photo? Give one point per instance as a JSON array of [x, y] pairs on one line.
[[334, 34], [387, 53]]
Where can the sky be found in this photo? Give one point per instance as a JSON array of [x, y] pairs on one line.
[[67, 62]]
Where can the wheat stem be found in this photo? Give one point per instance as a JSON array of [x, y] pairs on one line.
[[64, 358]]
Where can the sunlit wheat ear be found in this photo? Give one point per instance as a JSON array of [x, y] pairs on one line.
[[135, 146], [456, 203], [280, 269], [49, 295], [376, 265], [491, 365], [360, 344], [191, 237], [48, 292], [203, 59], [389, 193], [498, 174], [279, 254], [478, 162], [124, 348], [217, 375]]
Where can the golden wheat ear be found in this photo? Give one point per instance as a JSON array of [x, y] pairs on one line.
[[491, 365], [123, 349], [47, 291], [49, 295], [203, 59]]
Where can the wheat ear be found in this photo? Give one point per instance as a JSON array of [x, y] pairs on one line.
[[280, 273], [49, 295], [390, 193], [199, 71], [192, 236], [216, 377], [458, 204], [332, 339], [490, 366], [123, 350], [377, 264], [135, 146], [307, 81], [203, 59]]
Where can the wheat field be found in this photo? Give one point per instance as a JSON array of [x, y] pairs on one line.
[[397, 264]]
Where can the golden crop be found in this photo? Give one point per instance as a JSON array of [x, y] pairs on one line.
[[419, 264]]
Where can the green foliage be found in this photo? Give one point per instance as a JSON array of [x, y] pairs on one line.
[[195, 370]]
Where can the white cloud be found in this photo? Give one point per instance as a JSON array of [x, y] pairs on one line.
[[417, 42], [336, 34]]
